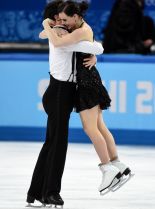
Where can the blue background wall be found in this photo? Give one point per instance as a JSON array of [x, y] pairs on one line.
[[20, 21], [130, 80]]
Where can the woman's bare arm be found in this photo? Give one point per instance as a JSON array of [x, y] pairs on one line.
[[72, 38]]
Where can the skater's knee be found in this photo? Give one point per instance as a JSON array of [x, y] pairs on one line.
[[92, 132], [87, 129]]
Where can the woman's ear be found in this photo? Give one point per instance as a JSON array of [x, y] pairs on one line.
[[75, 17]]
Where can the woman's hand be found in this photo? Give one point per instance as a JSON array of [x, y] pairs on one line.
[[43, 35], [90, 62], [47, 21]]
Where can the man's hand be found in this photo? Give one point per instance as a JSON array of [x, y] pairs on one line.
[[90, 62]]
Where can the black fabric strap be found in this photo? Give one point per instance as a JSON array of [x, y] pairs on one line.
[[73, 67], [73, 64]]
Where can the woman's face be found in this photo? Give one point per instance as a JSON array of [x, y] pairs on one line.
[[69, 22]]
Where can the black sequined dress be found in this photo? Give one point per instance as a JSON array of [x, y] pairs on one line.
[[90, 90]]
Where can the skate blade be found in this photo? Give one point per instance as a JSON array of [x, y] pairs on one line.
[[29, 205], [104, 192], [55, 206], [122, 182], [115, 186], [108, 189], [126, 179]]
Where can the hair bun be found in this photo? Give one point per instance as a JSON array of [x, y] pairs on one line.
[[83, 6]]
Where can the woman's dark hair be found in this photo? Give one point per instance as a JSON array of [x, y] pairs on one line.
[[51, 9], [70, 8]]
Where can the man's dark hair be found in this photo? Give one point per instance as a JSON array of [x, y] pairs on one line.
[[51, 9]]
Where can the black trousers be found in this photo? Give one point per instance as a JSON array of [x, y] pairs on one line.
[[58, 102]]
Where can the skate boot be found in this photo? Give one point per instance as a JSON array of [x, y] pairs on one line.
[[125, 172], [30, 200], [110, 177], [56, 200]]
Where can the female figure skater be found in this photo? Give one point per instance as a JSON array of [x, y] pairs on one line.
[[92, 96]]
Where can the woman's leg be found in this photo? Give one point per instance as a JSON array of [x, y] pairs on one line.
[[89, 120], [110, 174], [111, 146]]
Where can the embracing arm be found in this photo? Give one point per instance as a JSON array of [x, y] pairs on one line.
[[86, 47], [42, 35], [71, 38]]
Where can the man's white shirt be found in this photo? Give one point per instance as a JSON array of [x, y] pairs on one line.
[[60, 58]]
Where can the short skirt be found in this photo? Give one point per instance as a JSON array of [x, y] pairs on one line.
[[90, 90]]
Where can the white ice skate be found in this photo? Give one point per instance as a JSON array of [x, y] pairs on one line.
[[126, 174], [44, 206], [34, 203], [110, 177], [30, 205]]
